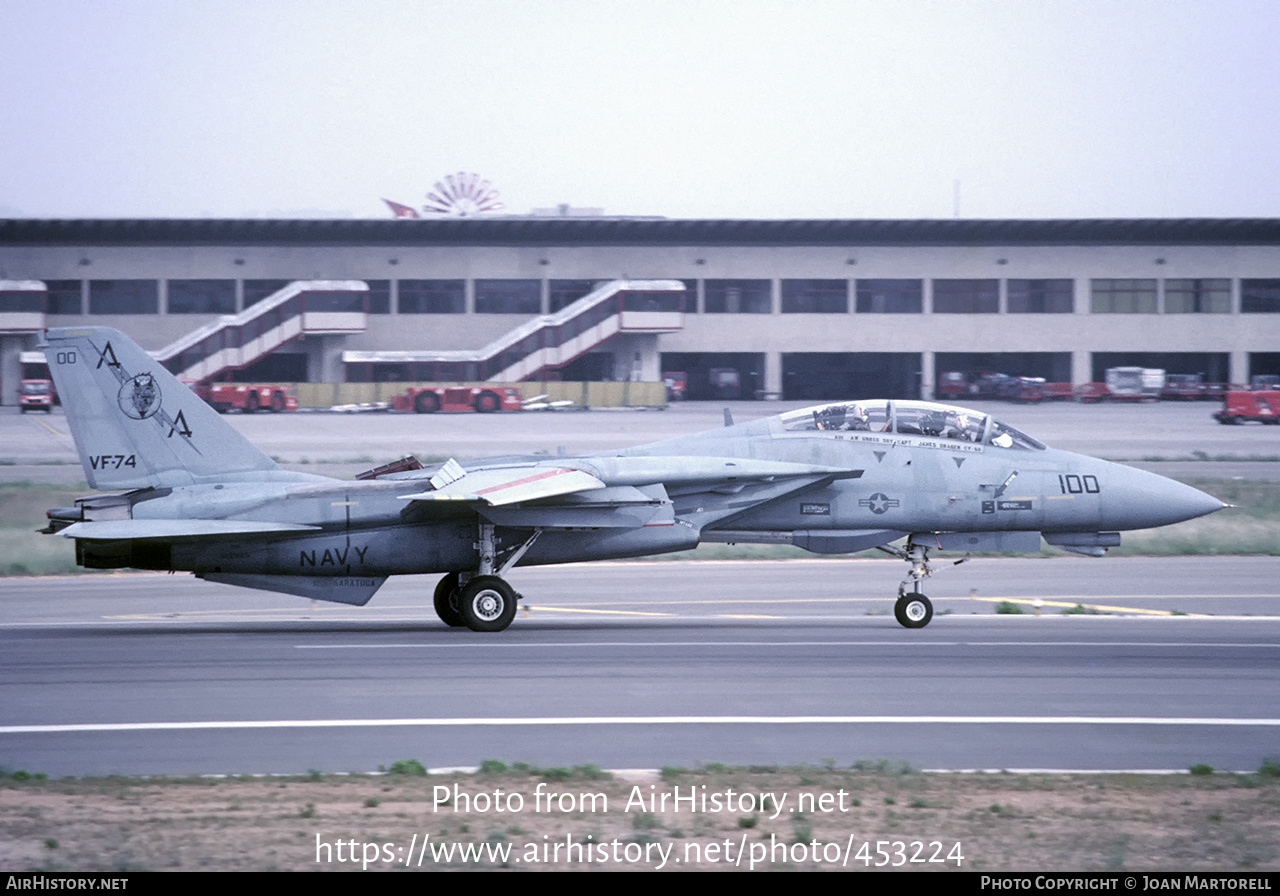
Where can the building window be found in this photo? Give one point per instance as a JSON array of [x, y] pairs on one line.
[[508, 296], [1197, 296], [966, 296], [124, 296], [257, 290], [1260, 296], [202, 297], [737, 297], [64, 296], [22, 301], [1041, 296], [432, 296], [890, 296], [1123, 296], [379, 296], [815, 296], [565, 292]]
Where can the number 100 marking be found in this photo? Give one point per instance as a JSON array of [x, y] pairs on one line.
[[1071, 484]]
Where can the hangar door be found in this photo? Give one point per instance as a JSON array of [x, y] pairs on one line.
[[820, 376], [723, 376]]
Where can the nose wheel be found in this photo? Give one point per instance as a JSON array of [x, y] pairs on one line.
[[913, 610]]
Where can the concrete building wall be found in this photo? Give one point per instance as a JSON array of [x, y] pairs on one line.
[[772, 334]]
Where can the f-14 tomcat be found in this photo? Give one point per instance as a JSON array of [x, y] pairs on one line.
[[190, 493]]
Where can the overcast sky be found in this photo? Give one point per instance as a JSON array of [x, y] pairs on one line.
[[738, 109]]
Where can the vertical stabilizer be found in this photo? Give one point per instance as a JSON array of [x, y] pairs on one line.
[[134, 424]]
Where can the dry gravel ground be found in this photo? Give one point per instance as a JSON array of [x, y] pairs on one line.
[[850, 818]]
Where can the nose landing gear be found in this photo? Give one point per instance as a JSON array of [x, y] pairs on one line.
[[913, 609]]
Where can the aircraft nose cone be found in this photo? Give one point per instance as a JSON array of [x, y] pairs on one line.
[[1145, 500]]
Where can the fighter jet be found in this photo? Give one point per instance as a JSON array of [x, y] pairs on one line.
[[190, 493]]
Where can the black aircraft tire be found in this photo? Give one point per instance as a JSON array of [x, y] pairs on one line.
[[447, 601], [913, 610], [488, 604]]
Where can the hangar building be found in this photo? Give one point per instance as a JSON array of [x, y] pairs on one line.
[[797, 309]]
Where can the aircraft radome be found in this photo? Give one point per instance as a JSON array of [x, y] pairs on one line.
[[190, 493]]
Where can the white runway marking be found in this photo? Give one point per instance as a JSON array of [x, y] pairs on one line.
[[774, 643], [637, 720]]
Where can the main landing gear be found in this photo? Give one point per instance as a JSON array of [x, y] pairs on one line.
[[912, 608], [482, 600]]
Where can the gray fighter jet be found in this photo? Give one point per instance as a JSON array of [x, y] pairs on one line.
[[190, 493]]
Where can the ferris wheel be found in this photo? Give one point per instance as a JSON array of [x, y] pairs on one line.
[[458, 195], [462, 195]]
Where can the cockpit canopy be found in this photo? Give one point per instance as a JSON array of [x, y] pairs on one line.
[[909, 418]]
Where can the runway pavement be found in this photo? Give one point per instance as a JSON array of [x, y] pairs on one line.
[[659, 663], [630, 665]]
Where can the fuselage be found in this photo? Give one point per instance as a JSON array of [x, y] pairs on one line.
[[880, 470], [942, 480]]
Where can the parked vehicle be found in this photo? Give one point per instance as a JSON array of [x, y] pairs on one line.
[[37, 391], [248, 398], [482, 399], [726, 383], [37, 395], [1239, 406], [1134, 383], [1091, 393], [677, 382], [956, 384], [1183, 387]]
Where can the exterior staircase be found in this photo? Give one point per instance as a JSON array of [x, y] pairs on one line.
[[550, 341], [235, 341]]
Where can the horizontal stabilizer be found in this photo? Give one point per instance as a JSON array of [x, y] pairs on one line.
[[510, 485], [121, 530], [354, 590]]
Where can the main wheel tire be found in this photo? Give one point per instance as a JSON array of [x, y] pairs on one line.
[[913, 610], [426, 403], [447, 599], [488, 604], [251, 403], [487, 402], [278, 402]]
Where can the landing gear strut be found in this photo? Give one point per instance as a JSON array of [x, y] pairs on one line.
[[913, 609], [482, 601]]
